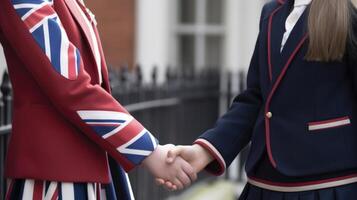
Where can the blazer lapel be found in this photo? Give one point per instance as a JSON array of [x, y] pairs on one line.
[[277, 31], [278, 62], [298, 34], [81, 18], [104, 68]]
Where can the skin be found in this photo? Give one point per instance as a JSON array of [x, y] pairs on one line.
[[195, 155], [178, 172]]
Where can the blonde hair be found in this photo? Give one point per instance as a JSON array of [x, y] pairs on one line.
[[329, 29]]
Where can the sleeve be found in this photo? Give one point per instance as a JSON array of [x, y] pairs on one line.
[[233, 130], [34, 31]]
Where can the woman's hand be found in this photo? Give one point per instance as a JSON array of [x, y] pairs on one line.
[[195, 155], [178, 171]]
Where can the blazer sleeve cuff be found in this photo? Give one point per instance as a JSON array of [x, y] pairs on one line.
[[218, 166]]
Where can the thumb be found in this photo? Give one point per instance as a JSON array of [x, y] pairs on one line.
[[173, 153]]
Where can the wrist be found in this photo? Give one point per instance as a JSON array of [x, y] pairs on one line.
[[203, 154], [147, 162]]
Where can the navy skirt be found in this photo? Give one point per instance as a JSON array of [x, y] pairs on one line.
[[345, 192]]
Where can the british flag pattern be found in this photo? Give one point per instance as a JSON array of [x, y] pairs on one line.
[[45, 27], [30, 189], [114, 126]]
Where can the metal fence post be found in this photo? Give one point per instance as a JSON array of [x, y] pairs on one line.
[[5, 119], [6, 90]]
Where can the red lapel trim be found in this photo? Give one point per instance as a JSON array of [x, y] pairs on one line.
[[71, 4], [269, 42], [281, 1], [104, 67], [267, 105]]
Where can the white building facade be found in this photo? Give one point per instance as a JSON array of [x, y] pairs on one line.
[[196, 34]]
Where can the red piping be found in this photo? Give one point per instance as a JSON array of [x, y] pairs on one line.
[[267, 125], [281, 1], [218, 159], [328, 121], [269, 42]]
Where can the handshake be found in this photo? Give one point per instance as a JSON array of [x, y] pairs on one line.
[[176, 167]]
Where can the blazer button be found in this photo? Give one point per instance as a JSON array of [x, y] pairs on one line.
[[269, 115]]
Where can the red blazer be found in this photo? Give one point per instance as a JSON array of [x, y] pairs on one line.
[[64, 120]]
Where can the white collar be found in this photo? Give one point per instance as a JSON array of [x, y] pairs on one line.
[[301, 3]]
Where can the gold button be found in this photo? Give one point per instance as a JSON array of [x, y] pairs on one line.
[[269, 115]]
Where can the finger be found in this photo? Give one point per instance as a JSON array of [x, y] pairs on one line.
[[178, 184], [188, 169], [160, 181], [173, 153], [185, 180], [170, 186]]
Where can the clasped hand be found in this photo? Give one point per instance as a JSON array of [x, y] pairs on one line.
[[176, 167]]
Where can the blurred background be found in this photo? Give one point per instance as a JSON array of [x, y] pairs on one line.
[[175, 65]]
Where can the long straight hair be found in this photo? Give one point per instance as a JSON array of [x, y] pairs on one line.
[[329, 29]]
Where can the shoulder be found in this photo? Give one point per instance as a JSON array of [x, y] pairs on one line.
[[269, 7]]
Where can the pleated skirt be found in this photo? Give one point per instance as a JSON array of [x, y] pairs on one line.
[[46, 190], [345, 192]]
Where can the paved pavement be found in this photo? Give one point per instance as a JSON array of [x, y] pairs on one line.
[[208, 190]]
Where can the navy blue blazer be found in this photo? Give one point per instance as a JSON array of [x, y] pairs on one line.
[[301, 113]]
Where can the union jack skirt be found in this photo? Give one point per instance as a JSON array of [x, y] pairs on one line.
[[46, 190]]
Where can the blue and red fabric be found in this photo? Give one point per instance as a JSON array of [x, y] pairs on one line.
[[112, 126], [45, 190], [45, 26]]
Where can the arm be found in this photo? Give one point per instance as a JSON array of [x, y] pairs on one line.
[[232, 131], [42, 45]]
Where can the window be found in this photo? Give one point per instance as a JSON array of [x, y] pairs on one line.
[[199, 33], [187, 51], [213, 51], [187, 11], [214, 11]]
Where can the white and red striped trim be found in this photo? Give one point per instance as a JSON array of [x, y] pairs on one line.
[[52, 191], [215, 153], [333, 123], [303, 186]]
